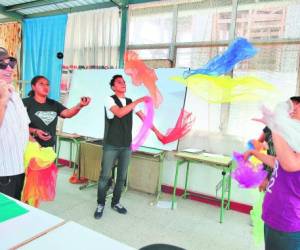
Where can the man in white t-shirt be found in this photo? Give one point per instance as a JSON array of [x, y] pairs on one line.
[[116, 143], [14, 130]]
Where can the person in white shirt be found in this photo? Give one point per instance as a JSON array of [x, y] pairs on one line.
[[116, 144], [14, 130]]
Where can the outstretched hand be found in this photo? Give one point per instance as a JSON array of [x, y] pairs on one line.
[[266, 115], [147, 99], [143, 99], [84, 101]]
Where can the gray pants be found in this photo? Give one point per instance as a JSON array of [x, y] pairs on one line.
[[110, 155]]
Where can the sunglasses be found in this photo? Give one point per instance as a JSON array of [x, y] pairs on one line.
[[12, 63]]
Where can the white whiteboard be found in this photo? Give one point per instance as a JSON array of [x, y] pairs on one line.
[[95, 83]]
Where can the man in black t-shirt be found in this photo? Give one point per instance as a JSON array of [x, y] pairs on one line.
[[43, 111], [116, 143]]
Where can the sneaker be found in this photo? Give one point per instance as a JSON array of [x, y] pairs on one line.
[[99, 211], [119, 208]]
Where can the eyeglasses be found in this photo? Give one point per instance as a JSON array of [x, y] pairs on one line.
[[12, 63]]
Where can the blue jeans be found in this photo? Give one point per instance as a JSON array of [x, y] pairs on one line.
[[277, 240], [110, 155]]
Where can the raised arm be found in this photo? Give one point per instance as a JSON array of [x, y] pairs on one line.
[[120, 112], [287, 157], [68, 113], [5, 91]]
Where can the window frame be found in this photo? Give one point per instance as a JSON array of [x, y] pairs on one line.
[[174, 46]]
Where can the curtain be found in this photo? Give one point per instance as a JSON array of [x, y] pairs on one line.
[[92, 41], [43, 38], [10, 38]]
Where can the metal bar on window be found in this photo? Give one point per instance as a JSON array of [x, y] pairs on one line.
[[298, 76], [225, 108], [174, 34]]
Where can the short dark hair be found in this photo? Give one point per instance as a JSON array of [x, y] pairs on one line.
[[295, 99], [112, 81]]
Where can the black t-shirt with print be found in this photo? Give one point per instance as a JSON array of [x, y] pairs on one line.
[[44, 116]]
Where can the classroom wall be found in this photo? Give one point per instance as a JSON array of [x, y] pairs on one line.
[[203, 178], [282, 71]]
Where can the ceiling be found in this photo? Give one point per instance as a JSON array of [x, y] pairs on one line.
[[11, 10]]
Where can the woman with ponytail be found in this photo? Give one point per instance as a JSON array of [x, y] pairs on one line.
[[43, 111]]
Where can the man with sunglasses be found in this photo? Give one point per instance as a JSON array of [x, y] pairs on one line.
[[14, 130]]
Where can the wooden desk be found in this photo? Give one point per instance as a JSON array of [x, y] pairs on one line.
[[90, 159], [223, 163], [76, 237], [144, 172], [146, 168], [19, 230], [90, 162]]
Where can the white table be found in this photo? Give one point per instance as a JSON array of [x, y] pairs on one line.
[[40, 230], [26, 227], [76, 237]]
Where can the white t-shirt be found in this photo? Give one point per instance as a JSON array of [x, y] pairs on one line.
[[14, 136], [110, 102]]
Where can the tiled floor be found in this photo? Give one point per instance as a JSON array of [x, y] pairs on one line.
[[193, 225]]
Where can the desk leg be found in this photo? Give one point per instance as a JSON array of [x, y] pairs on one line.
[[161, 158], [175, 185], [58, 143], [71, 154], [186, 179], [229, 189], [222, 199], [89, 184], [76, 161]]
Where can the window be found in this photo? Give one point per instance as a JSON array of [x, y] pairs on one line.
[[202, 26], [146, 54], [196, 57], [196, 23], [153, 26], [269, 20], [207, 116], [276, 64]]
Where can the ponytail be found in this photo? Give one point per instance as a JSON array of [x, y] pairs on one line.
[[31, 93]]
